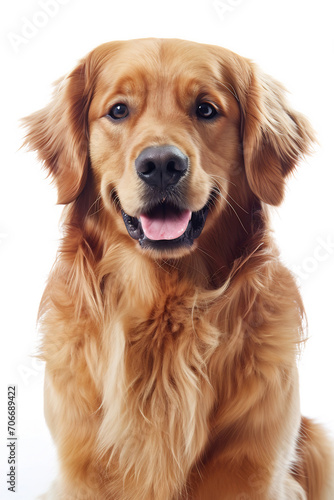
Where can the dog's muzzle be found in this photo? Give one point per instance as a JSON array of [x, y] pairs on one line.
[[166, 224], [156, 229]]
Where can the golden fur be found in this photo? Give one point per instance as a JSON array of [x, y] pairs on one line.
[[171, 374]]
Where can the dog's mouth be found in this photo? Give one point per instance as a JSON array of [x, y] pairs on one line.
[[166, 226]]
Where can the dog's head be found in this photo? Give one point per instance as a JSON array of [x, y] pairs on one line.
[[172, 133]]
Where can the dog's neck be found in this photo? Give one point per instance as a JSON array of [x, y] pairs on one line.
[[237, 233]]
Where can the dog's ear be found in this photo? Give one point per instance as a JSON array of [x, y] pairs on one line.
[[274, 136], [59, 132]]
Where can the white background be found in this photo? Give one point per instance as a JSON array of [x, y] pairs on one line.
[[292, 40]]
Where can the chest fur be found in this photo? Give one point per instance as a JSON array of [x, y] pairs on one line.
[[157, 396]]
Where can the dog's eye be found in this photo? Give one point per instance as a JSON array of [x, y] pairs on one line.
[[118, 111], [206, 110]]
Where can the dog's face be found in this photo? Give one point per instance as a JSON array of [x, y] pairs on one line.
[[164, 133], [166, 128]]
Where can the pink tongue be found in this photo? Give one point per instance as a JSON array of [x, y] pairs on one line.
[[165, 223]]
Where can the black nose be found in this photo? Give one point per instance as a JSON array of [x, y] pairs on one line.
[[161, 166]]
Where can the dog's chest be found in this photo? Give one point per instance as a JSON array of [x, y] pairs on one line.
[[158, 396], [169, 347]]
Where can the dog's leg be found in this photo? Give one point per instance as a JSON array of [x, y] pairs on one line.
[[74, 428], [312, 479], [251, 458], [315, 469], [220, 481]]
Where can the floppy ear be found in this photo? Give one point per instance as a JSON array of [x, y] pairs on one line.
[[275, 137], [59, 133]]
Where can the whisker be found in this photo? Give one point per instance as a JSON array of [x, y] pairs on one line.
[[161, 267], [241, 208], [115, 199], [94, 203], [228, 194], [224, 178], [231, 89], [206, 253], [222, 196], [97, 211], [216, 273], [196, 269], [236, 215]]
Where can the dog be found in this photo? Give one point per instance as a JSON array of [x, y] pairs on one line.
[[171, 330]]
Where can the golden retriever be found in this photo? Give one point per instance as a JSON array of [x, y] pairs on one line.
[[170, 328]]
